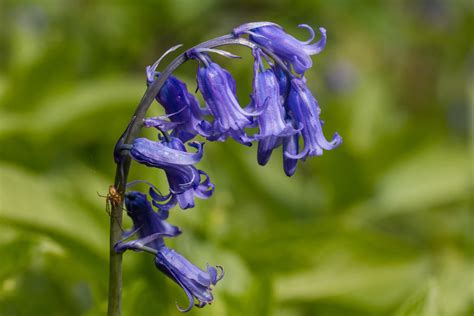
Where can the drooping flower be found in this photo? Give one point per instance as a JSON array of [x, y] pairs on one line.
[[290, 143], [146, 222], [289, 49], [306, 111], [183, 113], [218, 89], [183, 178], [151, 229], [195, 282], [266, 97]]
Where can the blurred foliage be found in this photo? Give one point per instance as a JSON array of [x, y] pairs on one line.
[[380, 226]]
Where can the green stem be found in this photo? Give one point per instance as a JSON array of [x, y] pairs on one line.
[[123, 165]]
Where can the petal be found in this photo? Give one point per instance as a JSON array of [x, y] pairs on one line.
[[186, 199], [265, 149], [156, 196], [290, 146], [212, 273], [221, 275], [181, 179], [317, 47], [297, 156], [166, 206], [335, 141], [311, 32], [250, 111], [190, 299], [205, 188], [205, 129], [301, 63], [156, 154]]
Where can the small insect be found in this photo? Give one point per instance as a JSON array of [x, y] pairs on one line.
[[112, 199]]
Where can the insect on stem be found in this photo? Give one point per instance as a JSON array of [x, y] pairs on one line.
[[112, 199]]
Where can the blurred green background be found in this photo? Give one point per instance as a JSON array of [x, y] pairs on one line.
[[380, 226]]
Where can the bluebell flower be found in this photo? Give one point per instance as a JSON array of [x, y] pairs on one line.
[[286, 47], [151, 228], [146, 222], [195, 282], [266, 97], [290, 143], [183, 178], [183, 113], [218, 89], [305, 110]]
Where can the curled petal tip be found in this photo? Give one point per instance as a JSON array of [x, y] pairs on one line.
[[297, 156], [187, 309], [199, 146], [336, 139], [317, 47], [222, 273], [328, 145], [311, 32]]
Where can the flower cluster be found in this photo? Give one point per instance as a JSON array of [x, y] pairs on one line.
[[282, 107]]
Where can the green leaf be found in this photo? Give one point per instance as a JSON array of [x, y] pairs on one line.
[[431, 177], [49, 213]]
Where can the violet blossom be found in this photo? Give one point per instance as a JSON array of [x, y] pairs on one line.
[[218, 89], [289, 49], [306, 111], [195, 282], [184, 179], [266, 97], [183, 113]]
